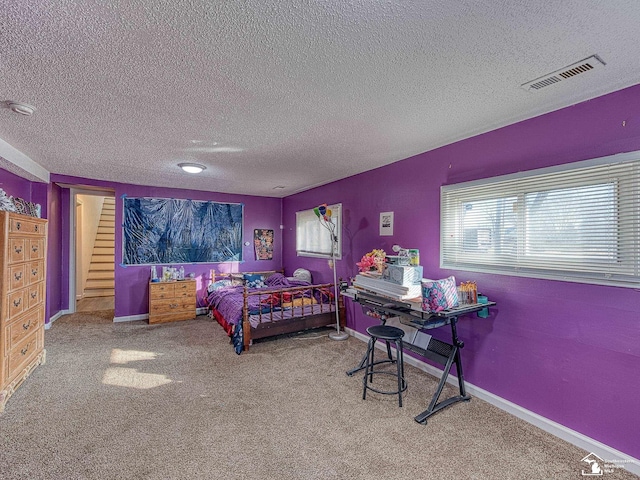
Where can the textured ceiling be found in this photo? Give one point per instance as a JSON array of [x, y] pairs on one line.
[[286, 93]]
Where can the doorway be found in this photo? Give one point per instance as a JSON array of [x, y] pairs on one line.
[[92, 269]]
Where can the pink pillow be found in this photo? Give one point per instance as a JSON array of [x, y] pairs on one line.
[[438, 295]]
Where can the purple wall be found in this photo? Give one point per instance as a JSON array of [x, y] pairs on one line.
[[14, 185], [131, 282], [569, 352], [57, 289]]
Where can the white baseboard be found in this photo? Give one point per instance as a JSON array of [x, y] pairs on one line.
[[605, 452], [47, 325], [131, 318], [145, 316]]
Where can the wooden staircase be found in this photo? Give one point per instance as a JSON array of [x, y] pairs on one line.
[[100, 281]]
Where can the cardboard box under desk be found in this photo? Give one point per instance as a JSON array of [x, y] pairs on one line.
[[405, 275]]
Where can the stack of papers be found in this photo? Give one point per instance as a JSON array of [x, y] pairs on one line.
[[388, 289]]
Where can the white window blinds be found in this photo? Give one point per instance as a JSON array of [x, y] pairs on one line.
[[577, 222], [314, 240]]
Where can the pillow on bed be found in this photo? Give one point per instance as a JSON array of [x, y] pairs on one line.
[[254, 280], [218, 285]]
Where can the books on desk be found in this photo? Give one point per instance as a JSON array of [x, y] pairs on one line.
[[387, 289]]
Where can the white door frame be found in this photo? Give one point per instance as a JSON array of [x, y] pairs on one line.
[[75, 190]]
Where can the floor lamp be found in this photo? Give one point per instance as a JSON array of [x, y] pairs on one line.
[[324, 215]]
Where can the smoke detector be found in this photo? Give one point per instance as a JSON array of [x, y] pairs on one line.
[[565, 73], [20, 108]]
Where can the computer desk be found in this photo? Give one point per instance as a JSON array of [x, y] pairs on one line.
[[443, 353]]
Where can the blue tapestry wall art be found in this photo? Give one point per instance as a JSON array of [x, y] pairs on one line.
[[165, 231]]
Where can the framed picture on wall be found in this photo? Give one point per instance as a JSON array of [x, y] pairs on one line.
[[386, 223], [263, 243]]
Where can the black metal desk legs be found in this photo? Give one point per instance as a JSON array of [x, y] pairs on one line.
[[442, 353], [439, 351]]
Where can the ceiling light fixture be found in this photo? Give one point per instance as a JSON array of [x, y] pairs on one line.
[[192, 167], [21, 108]]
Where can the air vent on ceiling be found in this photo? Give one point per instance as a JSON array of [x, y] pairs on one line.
[[565, 73]]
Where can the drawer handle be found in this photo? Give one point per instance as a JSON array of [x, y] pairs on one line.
[[25, 350], [16, 303], [17, 225], [17, 249], [173, 305], [34, 294], [34, 248], [34, 272], [35, 228], [26, 326], [17, 276]]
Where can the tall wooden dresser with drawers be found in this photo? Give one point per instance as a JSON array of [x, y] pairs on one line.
[[23, 246]]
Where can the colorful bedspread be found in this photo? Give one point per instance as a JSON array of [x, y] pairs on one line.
[[276, 303], [229, 301]]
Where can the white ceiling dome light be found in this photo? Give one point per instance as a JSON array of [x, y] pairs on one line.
[[21, 108], [192, 167]]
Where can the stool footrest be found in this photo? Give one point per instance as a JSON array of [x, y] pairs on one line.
[[386, 392]]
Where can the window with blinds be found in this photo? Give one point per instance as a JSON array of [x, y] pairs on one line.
[[314, 240], [577, 222]]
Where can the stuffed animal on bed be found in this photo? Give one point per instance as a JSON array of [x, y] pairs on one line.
[[302, 274]]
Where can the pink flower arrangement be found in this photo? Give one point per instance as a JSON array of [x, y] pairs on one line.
[[374, 260]]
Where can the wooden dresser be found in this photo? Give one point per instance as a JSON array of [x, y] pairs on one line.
[[172, 301], [23, 244]]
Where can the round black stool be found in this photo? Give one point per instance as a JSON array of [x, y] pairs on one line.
[[388, 334]]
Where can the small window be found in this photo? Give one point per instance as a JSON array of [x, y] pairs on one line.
[[576, 222], [313, 239]]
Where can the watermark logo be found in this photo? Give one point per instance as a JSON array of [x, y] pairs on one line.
[[596, 465]]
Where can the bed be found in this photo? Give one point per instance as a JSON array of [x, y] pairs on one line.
[[255, 305]]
